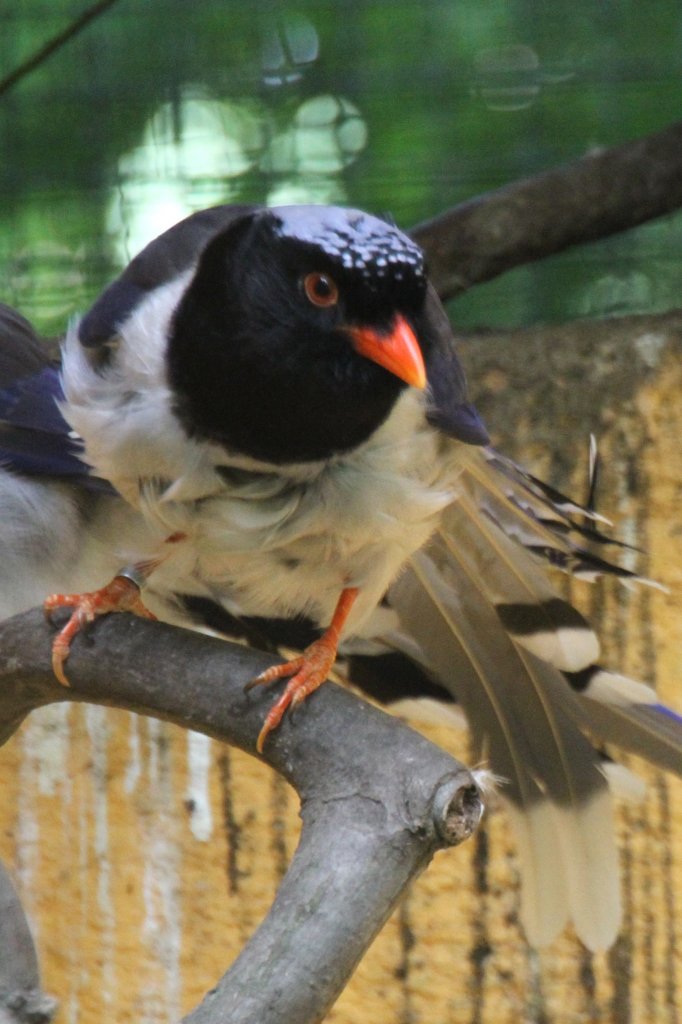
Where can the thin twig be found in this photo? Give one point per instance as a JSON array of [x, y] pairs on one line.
[[54, 44]]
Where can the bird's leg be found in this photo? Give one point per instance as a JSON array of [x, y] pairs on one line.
[[309, 670], [122, 594]]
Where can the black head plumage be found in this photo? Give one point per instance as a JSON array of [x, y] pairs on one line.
[[370, 249], [260, 366], [278, 347]]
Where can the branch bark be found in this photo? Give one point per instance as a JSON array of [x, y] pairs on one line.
[[607, 191], [375, 805], [21, 999]]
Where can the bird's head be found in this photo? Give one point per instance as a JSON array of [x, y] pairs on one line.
[[299, 329]]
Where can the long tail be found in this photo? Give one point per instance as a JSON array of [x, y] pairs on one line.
[[481, 622]]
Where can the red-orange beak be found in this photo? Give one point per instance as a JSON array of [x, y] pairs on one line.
[[397, 350]]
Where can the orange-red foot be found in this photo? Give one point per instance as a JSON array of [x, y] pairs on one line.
[[308, 671], [121, 595]]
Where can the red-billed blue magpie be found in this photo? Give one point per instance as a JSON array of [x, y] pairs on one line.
[[263, 425]]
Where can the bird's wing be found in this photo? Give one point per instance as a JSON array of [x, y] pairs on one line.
[[161, 261], [35, 439], [21, 351], [479, 614]]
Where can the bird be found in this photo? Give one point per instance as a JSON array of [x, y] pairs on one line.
[[263, 426]]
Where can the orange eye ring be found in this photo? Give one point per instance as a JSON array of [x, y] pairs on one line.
[[320, 289]]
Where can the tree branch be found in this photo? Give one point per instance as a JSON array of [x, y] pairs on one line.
[[376, 804], [21, 1000], [607, 191]]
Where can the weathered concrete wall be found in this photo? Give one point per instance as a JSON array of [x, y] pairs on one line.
[[146, 856]]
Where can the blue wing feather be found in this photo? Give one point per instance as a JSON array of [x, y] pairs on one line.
[[35, 439], [32, 402]]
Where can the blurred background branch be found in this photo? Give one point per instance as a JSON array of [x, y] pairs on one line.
[[54, 44], [605, 192]]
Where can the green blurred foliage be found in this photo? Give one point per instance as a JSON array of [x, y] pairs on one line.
[[160, 106]]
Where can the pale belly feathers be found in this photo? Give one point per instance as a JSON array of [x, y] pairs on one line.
[[262, 539], [278, 543]]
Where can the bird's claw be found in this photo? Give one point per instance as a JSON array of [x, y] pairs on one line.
[[122, 594], [307, 672]]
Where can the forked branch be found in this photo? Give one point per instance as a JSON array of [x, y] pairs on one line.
[[377, 800]]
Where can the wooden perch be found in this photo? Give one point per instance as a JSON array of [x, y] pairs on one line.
[[376, 802]]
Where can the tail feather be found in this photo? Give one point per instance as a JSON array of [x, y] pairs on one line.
[[478, 613], [527, 606], [553, 779], [653, 732], [544, 903], [544, 521]]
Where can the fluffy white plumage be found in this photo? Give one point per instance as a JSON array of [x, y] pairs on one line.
[[348, 521]]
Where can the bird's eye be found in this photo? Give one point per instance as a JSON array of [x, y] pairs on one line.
[[320, 289]]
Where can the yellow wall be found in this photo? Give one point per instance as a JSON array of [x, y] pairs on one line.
[[146, 857]]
